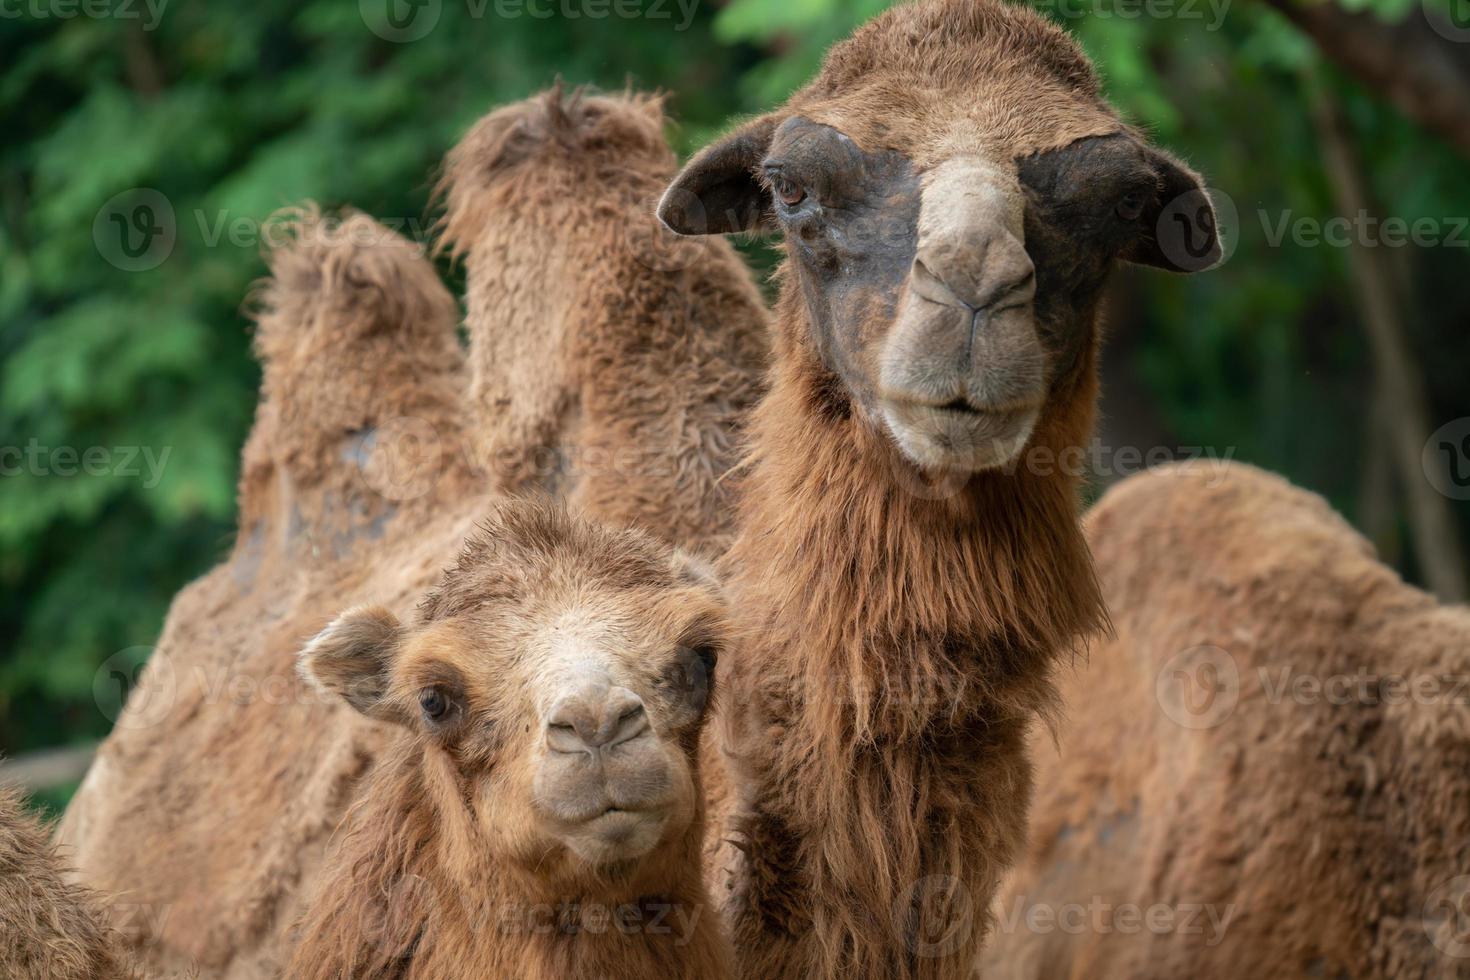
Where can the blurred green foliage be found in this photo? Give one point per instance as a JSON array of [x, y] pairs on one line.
[[232, 111]]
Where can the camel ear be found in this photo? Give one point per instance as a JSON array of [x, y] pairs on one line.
[[717, 192], [1182, 233], [352, 657]]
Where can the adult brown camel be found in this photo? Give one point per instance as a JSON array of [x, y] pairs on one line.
[[953, 191], [539, 813], [1264, 773], [215, 795]]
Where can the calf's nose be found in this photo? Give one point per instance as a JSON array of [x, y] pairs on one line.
[[595, 718]]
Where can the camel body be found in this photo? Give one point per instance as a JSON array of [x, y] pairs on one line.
[[1263, 773]]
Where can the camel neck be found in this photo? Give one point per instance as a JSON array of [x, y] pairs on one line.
[[865, 568]]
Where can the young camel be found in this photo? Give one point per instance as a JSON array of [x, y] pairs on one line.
[[538, 814], [357, 485], [49, 927], [953, 192], [1264, 773]]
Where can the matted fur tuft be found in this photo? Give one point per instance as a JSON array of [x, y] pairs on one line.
[[343, 276], [623, 129], [353, 330]]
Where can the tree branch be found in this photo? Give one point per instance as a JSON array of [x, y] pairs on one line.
[[1376, 287], [1413, 64]]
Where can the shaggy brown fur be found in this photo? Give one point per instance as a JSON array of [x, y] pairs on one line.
[[1302, 807], [357, 486], [612, 361], [450, 865], [904, 624], [50, 929], [887, 694]]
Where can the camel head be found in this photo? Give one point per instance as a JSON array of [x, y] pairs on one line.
[[555, 685], [953, 191]]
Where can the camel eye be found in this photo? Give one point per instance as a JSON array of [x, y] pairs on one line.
[[787, 190], [433, 703], [708, 656], [1130, 208]]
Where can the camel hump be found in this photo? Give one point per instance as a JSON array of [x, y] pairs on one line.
[[1237, 540], [357, 339], [543, 142], [337, 283], [1213, 511]]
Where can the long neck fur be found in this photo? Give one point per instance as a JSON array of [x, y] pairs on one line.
[[414, 892], [902, 635]]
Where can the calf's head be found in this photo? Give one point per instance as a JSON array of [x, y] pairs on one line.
[[555, 685], [953, 191]]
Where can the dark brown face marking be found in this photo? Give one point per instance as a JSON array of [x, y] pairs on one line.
[[946, 297], [1089, 203], [1085, 206], [852, 233], [852, 237]]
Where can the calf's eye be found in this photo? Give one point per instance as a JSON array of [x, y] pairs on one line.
[[433, 703], [708, 657]]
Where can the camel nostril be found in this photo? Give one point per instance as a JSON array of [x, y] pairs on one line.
[[632, 721]]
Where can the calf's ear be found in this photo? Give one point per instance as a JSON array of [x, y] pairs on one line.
[[1181, 231], [717, 192], [351, 659]]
